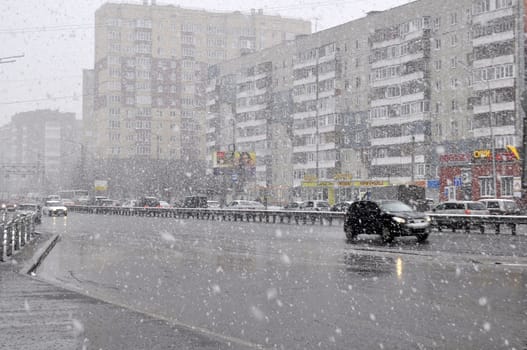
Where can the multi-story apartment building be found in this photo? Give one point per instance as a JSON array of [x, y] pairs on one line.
[[389, 97], [150, 73], [42, 153], [249, 111]]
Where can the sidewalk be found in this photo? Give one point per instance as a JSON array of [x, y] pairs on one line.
[[37, 315]]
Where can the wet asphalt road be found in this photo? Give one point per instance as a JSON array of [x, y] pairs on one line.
[[299, 287]]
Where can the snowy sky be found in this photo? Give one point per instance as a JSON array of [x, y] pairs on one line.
[[56, 39]]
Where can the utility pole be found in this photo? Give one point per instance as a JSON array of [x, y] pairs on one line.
[[413, 159], [523, 100], [317, 132], [492, 146], [10, 59]]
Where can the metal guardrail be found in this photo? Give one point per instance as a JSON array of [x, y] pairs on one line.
[[248, 215], [453, 221], [15, 234], [467, 222]]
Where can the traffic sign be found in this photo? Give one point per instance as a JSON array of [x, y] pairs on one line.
[[458, 182], [234, 177]]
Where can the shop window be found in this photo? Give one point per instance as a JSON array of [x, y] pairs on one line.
[[507, 186]]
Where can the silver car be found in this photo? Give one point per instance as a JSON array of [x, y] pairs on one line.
[[460, 208]]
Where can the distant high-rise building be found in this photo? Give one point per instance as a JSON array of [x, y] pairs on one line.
[[150, 74], [42, 152]]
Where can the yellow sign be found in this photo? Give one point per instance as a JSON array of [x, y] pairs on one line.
[[482, 153], [372, 183], [310, 178], [309, 184], [343, 177], [514, 151]]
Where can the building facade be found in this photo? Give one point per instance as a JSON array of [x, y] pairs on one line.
[[42, 153], [151, 67], [384, 97]]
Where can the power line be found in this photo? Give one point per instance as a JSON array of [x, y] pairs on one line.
[[40, 79], [46, 99], [66, 27]]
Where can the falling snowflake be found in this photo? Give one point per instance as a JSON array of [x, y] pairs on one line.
[[257, 313], [285, 259], [78, 327], [272, 293], [167, 237]]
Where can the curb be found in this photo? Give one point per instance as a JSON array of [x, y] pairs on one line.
[[40, 255]]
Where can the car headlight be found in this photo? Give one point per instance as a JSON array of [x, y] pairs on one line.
[[399, 220], [428, 218]]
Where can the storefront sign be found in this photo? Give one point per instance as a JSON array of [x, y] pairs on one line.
[[482, 153], [451, 158]]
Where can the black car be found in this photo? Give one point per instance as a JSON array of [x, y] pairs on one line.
[[388, 218]]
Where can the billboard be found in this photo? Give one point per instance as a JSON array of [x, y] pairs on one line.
[[101, 185], [244, 161]]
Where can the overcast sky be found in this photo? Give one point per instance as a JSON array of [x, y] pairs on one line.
[[56, 39]]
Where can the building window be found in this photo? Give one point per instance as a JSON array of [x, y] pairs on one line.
[[453, 40], [437, 23], [481, 6], [453, 62], [438, 44], [507, 186], [420, 170], [453, 18], [486, 187]]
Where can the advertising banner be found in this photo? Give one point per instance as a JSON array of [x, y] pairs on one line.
[[245, 162]]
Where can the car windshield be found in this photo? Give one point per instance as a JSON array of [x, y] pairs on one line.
[[476, 206], [194, 165], [395, 206], [27, 207]]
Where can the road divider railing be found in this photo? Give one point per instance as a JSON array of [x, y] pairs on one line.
[[441, 221], [15, 234], [247, 215], [479, 222]]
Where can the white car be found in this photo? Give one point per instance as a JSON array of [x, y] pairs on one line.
[[315, 205], [164, 204], [54, 208], [244, 204]]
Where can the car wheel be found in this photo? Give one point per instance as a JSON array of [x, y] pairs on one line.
[[65, 214], [422, 237], [351, 235], [386, 234]]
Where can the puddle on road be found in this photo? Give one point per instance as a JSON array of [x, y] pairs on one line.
[[369, 265]]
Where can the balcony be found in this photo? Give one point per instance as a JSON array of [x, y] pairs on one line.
[[490, 15], [398, 100], [496, 107], [487, 39], [401, 140], [398, 120], [496, 130], [397, 60], [398, 160]]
